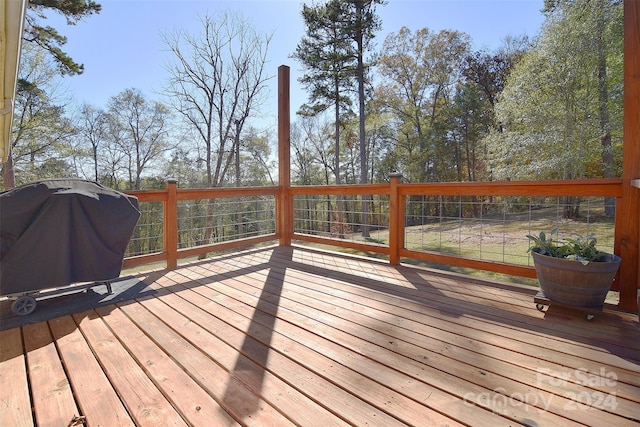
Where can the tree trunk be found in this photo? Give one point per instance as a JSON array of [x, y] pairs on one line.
[[239, 221], [8, 172], [603, 100], [339, 207], [361, 112]]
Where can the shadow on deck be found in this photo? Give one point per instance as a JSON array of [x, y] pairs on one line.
[[294, 336]]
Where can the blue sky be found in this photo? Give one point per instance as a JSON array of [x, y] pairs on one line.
[[122, 47]]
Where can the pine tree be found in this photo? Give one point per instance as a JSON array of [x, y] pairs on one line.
[[328, 56], [48, 37]]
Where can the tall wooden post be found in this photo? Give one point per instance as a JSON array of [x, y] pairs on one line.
[[284, 207], [396, 218], [171, 224], [628, 210]]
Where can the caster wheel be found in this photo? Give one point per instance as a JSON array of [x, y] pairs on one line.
[[591, 317], [23, 305], [540, 307]]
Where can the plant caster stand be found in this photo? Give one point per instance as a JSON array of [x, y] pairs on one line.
[[542, 301]]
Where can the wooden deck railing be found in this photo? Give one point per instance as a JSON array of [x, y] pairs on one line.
[[587, 188], [397, 193], [170, 252]]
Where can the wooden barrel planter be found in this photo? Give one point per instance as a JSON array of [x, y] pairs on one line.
[[574, 283]]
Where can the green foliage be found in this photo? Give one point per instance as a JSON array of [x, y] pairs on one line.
[[561, 107], [489, 71], [139, 128], [48, 37], [547, 246], [329, 59], [41, 130], [581, 248], [338, 35], [328, 56], [421, 71]]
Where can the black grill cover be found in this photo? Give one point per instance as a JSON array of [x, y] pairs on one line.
[[57, 232]]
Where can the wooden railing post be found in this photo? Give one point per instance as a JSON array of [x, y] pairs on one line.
[[396, 219], [284, 206], [627, 232], [171, 224]]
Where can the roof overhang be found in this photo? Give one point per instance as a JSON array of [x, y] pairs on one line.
[[12, 16]]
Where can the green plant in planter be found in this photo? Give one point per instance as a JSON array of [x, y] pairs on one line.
[[562, 279], [581, 248]]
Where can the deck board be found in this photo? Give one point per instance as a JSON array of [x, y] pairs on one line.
[[54, 403], [97, 399], [300, 408], [294, 336], [146, 404], [435, 377], [194, 404], [15, 407], [309, 350]]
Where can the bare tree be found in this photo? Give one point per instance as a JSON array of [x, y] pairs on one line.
[[218, 81], [92, 129], [140, 130]]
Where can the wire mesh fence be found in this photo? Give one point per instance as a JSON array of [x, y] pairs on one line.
[[488, 228], [202, 222], [148, 235], [358, 218], [496, 228]]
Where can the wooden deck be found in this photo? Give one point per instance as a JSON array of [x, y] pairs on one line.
[[292, 336]]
